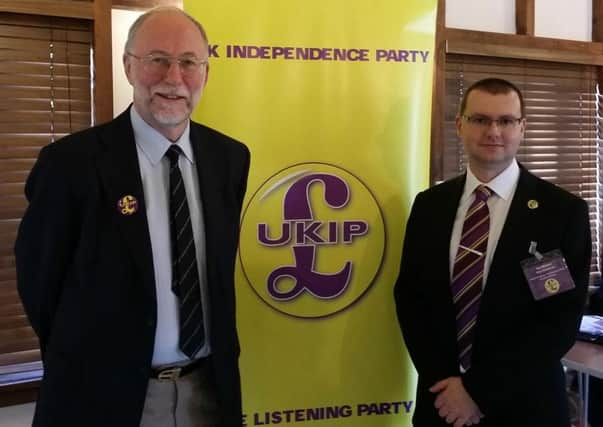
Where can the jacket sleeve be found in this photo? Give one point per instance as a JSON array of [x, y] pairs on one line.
[[46, 236], [419, 310], [242, 188]]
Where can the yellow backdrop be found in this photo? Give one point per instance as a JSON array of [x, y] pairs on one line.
[[333, 99]]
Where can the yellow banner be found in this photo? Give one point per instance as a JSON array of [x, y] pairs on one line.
[[333, 99]]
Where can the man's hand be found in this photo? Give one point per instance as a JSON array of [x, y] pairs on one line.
[[454, 403]]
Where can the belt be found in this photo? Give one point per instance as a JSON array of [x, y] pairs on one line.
[[174, 372]]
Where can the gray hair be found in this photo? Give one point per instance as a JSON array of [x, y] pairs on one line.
[[160, 9]]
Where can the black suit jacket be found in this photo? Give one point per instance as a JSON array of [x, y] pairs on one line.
[[516, 376], [85, 273]]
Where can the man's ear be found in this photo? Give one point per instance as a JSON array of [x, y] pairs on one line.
[[206, 74], [127, 66], [458, 124]]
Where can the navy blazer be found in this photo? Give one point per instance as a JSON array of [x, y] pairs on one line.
[[516, 377], [85, 273]]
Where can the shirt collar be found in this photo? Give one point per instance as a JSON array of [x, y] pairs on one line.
[[153, 144], [502, 185]]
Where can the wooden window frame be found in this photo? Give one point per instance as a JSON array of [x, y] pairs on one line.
[[99, 12], [145, 4]]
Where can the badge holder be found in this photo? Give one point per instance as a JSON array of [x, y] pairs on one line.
[[547, 274]]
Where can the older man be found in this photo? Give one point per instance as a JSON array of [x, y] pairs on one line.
[[125, 255]]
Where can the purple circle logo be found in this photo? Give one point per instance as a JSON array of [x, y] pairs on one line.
[[312, 240], [127, 205]]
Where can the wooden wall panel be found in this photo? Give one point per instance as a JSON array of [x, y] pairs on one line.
[[524, 17], [145, 4]]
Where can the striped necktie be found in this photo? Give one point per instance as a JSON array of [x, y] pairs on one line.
[[468, 272], [185, 275]]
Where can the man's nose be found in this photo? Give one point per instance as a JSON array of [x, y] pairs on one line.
[[494, 127], [173, 74]]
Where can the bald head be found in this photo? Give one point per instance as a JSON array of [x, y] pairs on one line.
[[133, 31]]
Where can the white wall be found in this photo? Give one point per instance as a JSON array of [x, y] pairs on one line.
[[483, 15], [122, 91], [562, 19]]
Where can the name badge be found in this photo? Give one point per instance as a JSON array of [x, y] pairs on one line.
[[547, 274]]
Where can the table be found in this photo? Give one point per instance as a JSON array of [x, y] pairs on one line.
[[587, 359]]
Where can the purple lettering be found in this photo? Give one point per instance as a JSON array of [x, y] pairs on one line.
[[213, 52], [315, 53], [384, 408], [353, 228], [263, 235], [258, 422], [257, 52], [288, 413], [301, 53], [381, 54], [340, 54], [277, 51], [332, 232], [396, 406], [308, 232], [239, 51]]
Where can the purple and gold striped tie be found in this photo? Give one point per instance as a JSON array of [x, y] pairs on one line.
[[468, 272]]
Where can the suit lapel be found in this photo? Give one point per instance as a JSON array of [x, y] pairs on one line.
[[120, 175], [449, 206], [208, 169], [511, 235]]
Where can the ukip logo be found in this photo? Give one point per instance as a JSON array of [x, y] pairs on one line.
[[312, 240]]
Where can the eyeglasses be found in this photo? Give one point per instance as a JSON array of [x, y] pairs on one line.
[[485, 122], [159, 64]]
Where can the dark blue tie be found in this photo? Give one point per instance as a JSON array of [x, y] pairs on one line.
[[185, 275]]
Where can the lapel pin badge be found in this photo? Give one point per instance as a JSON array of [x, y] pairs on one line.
[[127, 205], [532, 204]]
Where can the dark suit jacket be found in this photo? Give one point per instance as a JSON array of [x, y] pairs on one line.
[[516, 376], [85, 273]]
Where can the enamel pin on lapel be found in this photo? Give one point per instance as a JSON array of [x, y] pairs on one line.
[[532, 204], [127, 205]]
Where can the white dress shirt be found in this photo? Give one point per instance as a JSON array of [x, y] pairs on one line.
[[151, 147], [503, 187]]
